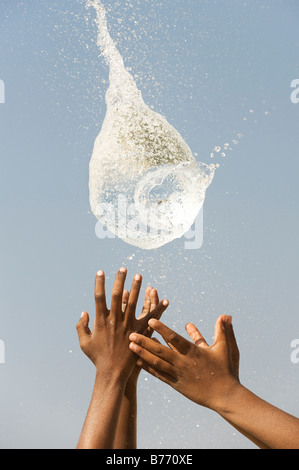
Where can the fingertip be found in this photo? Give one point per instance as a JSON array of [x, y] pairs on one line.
[[190, 328], [220, 328], [154, 297], [133, 338], [83, 322], [165, 303], [152, 323], [100, 273], [221, 321]]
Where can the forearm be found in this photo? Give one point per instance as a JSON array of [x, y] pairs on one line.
[[255, 441], [126, 434], [263, 423], [100, 425]]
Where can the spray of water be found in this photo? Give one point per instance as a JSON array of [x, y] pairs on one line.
[[145, 184]]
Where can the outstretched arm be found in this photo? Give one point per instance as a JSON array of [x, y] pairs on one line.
[[208, 375], [107, 347], [266, 425], [126, 433]]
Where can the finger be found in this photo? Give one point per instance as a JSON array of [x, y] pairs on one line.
[[125, 299], [134, 294], [154, 297], [220, 334], [117, 293], [232, 344], [154, 347], [147, 302], [195, 335], [99, 294], [173, 339], [156, 340], [154, 354], [164, 377], [154, 314], [154, 303], [83, 330]]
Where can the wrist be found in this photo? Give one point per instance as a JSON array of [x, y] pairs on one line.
[[133, 379], [230, 394], [110, 378]]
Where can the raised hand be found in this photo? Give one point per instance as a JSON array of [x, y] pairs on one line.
[[204, 374], [107, 344], [111, 418]]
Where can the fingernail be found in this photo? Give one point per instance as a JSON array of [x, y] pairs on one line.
[[133, 347], [165, 303], [123, 270], [152, 322], [82, 314], [100, 273], [133, 337], [137, 277]]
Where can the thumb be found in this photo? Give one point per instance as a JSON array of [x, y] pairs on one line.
[[82, 328], [220, 332]]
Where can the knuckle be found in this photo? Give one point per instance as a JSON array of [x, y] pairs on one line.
[[158, 350], [116, 295], [140, 341], [131, 304], [157, 363], [99, 298], [173, 337], [84, 346], [79, 326]]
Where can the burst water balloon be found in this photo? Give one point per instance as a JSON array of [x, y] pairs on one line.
[[145, 184]]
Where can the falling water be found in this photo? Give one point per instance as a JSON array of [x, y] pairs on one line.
[[145, 185]]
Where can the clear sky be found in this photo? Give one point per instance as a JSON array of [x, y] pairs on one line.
[[215, 69]]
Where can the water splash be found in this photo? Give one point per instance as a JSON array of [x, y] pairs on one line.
[[145, 185]]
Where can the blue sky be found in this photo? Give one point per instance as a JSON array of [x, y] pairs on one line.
[[204, 65]]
